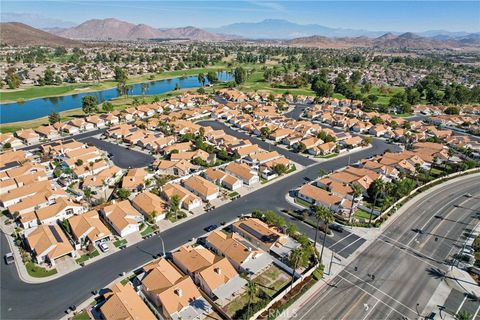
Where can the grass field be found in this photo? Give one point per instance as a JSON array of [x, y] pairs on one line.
[[119, 242], [87, 256], [361, 214], [39, 272]]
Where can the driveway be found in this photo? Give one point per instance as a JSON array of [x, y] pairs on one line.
[[122, 157]]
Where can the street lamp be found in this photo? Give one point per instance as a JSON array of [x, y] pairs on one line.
[[416, 308], [163, 244]]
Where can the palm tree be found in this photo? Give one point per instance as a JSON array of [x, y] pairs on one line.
[[378, 187], [356, 193], [325, 215], [174, 206], [251, 293], [297, 259]]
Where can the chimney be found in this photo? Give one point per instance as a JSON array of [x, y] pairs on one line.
[[218, 270], [178, 292]]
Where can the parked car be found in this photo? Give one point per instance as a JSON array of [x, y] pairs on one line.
[[103, 246], [468, 195], [211, 227], [9, 258], [336, 227]]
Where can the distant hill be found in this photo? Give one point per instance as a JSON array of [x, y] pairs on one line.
[[19, 34], [113, 29], [283, 29], [387, 41]]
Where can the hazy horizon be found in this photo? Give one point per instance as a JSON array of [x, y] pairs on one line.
[[452, 16]]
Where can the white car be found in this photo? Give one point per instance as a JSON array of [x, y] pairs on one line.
[[103, 246]]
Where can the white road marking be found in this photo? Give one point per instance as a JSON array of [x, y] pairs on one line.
[[377, 289], [410, 254], [350, 234], [433, 217], [366, 309], [476, 313], [349, 245], [318, 301], [388, 306], [461, 304]]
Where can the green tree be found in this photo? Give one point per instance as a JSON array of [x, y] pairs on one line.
[[13, 80], [107, 106], [322, 88], [174, 207], [326, 216], [463, 315], [280, 169], [201, 78], [240, 75], [251, 293], [375, 190], [53, 117], [49, 77], [292, 229], [89, 104], [212, 77], [124, 193], [452, 110], [297, 259], [121, 75], [356, 193]]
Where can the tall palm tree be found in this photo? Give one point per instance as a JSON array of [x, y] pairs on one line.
[[356, 193], [251, 293], [378, 187], [297, 259], [326, 216]]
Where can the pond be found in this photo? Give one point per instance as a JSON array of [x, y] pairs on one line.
[[41, 107]]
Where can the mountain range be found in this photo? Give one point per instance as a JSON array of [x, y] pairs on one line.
[[20, 34], [113, 29], [283, 29], [386, 41]]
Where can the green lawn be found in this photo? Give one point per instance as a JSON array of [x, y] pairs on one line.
[[327, 156], [361, 214], [233, 194], [119, 242], [39, 272], [87, 256], [81, 316], [302, 202], [146, 231]]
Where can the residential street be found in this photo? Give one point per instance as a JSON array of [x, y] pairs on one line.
[[76, 286], [408, 266]]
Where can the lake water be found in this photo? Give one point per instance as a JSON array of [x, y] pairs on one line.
[[41, 107]]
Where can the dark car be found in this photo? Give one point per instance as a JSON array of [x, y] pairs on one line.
[[211, 227], [336, 227]]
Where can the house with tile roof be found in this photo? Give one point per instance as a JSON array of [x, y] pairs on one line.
[[150, 205], [175, 295], [122, 217], [48, 243], [124, 303], [88, 228]]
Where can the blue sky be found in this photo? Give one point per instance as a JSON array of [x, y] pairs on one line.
[[412, 16]]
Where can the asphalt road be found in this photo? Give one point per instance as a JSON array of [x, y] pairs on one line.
[[121, 156], [408, 266], [263, 144], [74, 288]]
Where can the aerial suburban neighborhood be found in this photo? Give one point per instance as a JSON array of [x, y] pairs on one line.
[[242, 170]]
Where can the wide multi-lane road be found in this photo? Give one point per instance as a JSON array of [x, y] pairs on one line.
[[49, 300], [408, 265]]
